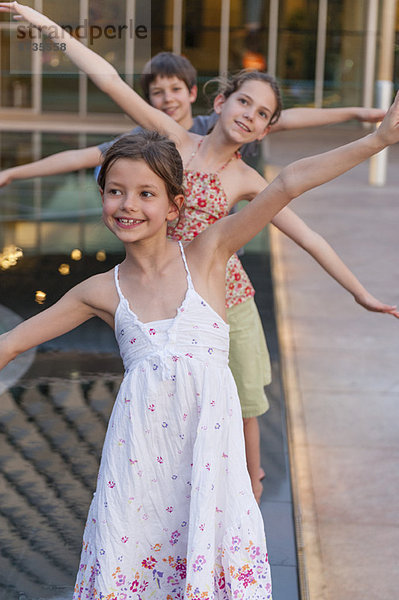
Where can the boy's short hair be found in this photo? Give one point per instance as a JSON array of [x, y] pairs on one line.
[[167, 64]]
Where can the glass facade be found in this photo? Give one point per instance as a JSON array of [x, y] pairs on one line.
[[56, 214]]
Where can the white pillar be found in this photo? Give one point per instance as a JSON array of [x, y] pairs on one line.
[[273, 35], [320, 53], [129, 42], [224, 38], [369, 53], [84, 18], [378, 163], [177, 25], [37, 71]]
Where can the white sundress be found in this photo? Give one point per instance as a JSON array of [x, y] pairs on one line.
[[173, 516]]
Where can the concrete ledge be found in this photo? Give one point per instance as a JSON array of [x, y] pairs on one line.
[[310, 564], [112, 124]]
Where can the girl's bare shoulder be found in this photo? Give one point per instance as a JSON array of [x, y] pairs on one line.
[[243, 182], [99, 291]]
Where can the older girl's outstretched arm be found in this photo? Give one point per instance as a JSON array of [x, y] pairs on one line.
[[299, 232], [101, 72], [236, 230], [296, 118]]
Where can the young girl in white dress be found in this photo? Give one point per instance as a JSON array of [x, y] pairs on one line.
[[247, 107], [174, 515]]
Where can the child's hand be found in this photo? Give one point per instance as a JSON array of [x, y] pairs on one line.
[[370, 115], [20, 11], [370, 303], [5, 178], [388, 131]]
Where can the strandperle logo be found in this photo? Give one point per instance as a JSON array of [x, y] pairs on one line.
[[89, 33]]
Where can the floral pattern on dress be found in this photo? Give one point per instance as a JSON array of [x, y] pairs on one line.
[[247, 581], [205, 203], [173, 516]]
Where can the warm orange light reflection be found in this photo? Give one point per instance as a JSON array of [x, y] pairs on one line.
[[40, 297], [9, 256], [64, 269], [76, 254], [101, 255]]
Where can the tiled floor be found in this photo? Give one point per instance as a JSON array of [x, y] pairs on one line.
[[52, 423]]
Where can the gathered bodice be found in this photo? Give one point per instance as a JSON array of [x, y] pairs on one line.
[[196, 333]]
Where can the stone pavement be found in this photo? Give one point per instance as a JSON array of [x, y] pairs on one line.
[[340, 370]]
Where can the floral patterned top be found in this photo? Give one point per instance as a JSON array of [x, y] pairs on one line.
[[205, 203]]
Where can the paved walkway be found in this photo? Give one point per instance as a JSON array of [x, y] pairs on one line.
[[341, 380]]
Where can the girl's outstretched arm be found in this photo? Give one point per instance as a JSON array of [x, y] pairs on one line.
[[102, 74], [296, 118], [62, 162], [77, 306], [296, 229], [236, 230]]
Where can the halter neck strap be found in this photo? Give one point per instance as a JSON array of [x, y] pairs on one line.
[[118, 287], [183, 255], [236, 155]]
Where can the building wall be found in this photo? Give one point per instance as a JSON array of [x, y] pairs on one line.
[[52, 214]]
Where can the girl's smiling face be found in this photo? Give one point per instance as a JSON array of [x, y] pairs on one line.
[[136, 205], [246, 113]]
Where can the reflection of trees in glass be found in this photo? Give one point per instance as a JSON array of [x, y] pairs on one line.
[[299, 29], [249, 36], [15, 72], [193, 23]]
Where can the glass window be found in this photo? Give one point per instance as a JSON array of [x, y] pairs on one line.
[[344, 52], [201, 43], [161, 26], [60, 81], [296, 53], [108, 40], [16, 78], [249, 30], [17, 202]]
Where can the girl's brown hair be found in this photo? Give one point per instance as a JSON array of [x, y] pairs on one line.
[[157, 151], [231, 84]]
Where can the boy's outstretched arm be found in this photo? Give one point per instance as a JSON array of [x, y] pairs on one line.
[[296, 118], [297, 230], [103, 74], [62, 162]]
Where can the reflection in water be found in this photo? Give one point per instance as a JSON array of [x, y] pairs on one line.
[[51, 435], [14, 370]]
